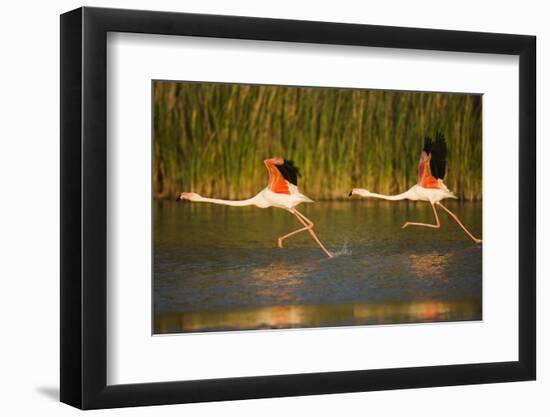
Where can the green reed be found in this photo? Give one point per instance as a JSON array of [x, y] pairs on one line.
[[212, 138]]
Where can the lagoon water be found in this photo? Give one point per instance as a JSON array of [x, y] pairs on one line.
[[218, 268]]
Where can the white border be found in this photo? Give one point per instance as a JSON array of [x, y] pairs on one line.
[[135, 356]]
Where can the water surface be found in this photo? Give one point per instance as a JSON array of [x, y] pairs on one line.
[[219, 268]]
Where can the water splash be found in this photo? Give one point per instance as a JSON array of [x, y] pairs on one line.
[[343, 251]]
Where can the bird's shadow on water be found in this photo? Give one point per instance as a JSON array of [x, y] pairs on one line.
[[49, 392]]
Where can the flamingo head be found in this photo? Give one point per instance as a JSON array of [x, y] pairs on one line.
[[188, 196]]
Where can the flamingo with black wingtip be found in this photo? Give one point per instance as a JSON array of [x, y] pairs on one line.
[[429, 187], [281, 191]]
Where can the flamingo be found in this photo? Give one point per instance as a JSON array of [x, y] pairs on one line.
[[429, 187], [281, 191]]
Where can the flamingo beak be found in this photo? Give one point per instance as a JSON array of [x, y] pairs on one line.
[[178, 198], [350, 193]]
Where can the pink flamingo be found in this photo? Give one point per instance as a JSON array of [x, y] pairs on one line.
[[281, 191], [429, 187]]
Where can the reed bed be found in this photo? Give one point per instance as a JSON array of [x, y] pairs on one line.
[[212, 138]]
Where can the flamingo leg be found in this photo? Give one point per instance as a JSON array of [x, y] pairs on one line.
[[303, 229], [475, 239], [308, 225], [435, 226]]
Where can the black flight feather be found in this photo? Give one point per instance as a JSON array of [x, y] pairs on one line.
[[438, 150], [289, 171], [428, 145]]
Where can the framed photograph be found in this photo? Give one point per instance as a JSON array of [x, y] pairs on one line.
[[257, 208]]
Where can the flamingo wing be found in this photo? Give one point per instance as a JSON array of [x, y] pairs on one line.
[[281, 173], [432, 164]]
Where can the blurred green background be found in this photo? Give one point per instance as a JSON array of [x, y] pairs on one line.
[[212, 138]]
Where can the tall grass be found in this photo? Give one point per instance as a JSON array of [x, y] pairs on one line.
[[212, 138]]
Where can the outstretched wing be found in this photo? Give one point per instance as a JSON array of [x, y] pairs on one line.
[[281, 174], [432, 164]]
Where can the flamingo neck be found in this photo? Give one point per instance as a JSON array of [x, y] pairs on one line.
[[402, 196], [236, 203]]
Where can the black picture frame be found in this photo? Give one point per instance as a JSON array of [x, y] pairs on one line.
[[84, 207]]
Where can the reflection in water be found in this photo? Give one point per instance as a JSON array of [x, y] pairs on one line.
[[219, 268], [292, 316], [429, 264], [279, 282]]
